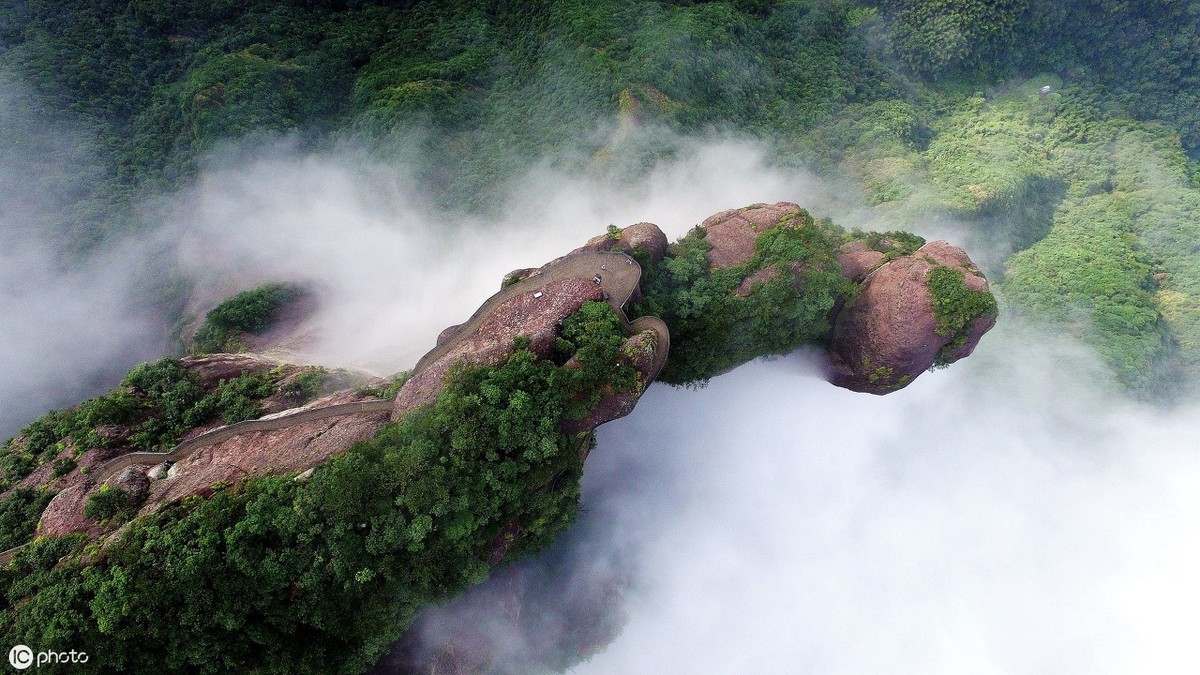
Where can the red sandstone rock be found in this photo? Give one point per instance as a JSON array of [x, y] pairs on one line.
[[213, 368], [515, 276], [858, 260], [491, 341], [133, 481], [888, 336], [645, 237], [733, 233], [294, 448], [638, 237], [447, 333], [64, 513]]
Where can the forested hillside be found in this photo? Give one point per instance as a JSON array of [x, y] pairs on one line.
[[932, 107]]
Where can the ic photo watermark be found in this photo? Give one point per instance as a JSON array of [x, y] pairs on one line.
[[22, 657]]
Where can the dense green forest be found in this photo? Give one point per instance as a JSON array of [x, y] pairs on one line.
[[1065, 136], [933, 107], [260, 574]]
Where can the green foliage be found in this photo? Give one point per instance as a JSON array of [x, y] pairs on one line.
[[954, 305], [937, 37], [497, 85], [63, 466], [17, 466], [155, 405], [179, 403], [237, 399], [250, 311], [307, 385], [110, 504], [714, 327], [174, 395], [388, 390], [892, 244], [1089, 275], [19, 513], [259, 576], [593, 337], [1103, 200]]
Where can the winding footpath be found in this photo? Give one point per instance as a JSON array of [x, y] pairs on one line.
[[618, 274]]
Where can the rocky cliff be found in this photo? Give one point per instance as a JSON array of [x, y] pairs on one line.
[[473, 458]]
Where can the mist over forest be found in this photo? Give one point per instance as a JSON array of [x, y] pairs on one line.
[[1030, 508]]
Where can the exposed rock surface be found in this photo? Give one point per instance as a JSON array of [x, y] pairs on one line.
[[293, 448], [213, 368], [510, 279], [64, 513], [733, 233], [889, 334], [132, 481], [858, 260], [296, 447], [638, 237], [447, 333], [521, 314], [43, 475]]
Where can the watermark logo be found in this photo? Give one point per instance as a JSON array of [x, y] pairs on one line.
[[22, 657]]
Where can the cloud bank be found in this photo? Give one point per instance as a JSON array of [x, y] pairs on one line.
[[72, 322], [1008, 515], [1011, 514], [394, 271]]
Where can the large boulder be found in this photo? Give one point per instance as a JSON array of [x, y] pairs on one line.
[[132, 481], [447, 333], [898, 327], [487, 339], [643, 236], [214, 368], [734, 233], [64, 514]]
